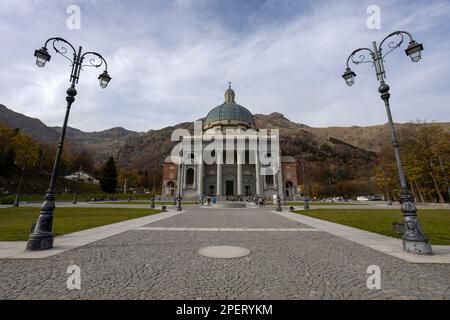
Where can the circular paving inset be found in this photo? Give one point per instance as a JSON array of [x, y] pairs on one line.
[[224, 252]]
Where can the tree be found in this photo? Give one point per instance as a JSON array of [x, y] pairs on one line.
[[131, 176], [83, 160], [108, 181], [26, 150], [7, 154], [424, 146]]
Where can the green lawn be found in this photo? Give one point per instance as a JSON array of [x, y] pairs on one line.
[[15, 223], [324, 203], [67, 197], [138, 202], [435, 222]]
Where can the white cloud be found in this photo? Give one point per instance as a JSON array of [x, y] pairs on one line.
[[170, 62]]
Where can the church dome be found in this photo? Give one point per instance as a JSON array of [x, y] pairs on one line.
[[229, 113]]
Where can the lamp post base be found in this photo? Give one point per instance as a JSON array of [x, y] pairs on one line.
[[279, 208], [414, 239], [417, 247], [41, 237], [152, 204], [16, 201], [40, 242]]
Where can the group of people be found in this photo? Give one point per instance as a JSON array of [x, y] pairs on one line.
[[260, 201], [209, 200]]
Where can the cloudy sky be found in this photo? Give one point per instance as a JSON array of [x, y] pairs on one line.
[[171, 60]]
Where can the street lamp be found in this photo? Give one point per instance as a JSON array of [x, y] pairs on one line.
[[42, 236], [414, 239], [75, 196], [306, 200], [180, 181], [180, 190], [278, 208], [16, 199], [152, 206]]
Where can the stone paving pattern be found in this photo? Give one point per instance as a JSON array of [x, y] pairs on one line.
[[142, 264]]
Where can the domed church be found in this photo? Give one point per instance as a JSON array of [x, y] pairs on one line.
[[253, 169]]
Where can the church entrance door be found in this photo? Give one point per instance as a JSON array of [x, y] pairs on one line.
[[229, 188]]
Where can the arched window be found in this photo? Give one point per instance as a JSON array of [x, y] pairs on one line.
[[190, 176]]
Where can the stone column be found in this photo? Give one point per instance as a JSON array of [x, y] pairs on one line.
[[280, 179], [219, 161], [240, 161], [200, 176], [258, 173], [194, 185], [183, 177], [275, 178]]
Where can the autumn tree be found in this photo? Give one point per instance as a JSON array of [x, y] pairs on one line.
[[131, 176], [424, 146], [83, 160], [26, 150]]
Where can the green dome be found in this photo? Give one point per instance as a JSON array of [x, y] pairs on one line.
[[229, 113]]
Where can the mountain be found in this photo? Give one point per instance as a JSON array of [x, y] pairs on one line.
[[370, 138], [100, 145], [348, 146], [31, 126], [144, 150]]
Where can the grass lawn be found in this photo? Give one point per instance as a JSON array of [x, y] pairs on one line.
[[67, 197], [435, 222], [15, 223], [164, 203], [324, 203]]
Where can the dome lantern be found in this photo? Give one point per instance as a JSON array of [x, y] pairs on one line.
[[229, 94]]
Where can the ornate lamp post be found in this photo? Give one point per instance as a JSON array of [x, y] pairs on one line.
[[180, 197], [278, 208], [306, 200], [180, 184], [414, 240], [42, 236], [152, 205], [16, 199], [75, 196]]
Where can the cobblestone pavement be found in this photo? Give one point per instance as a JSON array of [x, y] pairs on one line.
[[148, 264]]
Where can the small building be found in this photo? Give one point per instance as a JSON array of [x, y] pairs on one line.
[[82, 176]]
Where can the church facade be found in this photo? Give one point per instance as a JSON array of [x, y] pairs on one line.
[[247, 164]]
